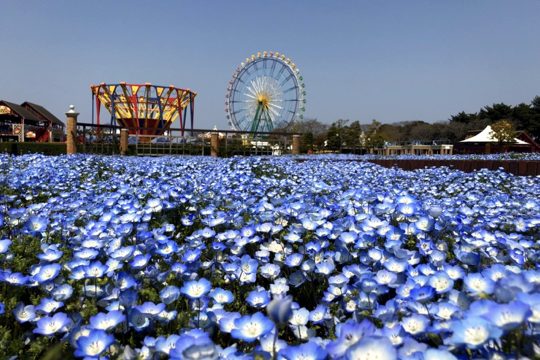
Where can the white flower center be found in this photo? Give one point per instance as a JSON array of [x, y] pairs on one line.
[[197, 290], [476, 335], [95, 348], [53, 326], [253, 329]]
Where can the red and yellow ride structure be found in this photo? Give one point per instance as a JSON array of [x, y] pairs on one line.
[[144, 109]]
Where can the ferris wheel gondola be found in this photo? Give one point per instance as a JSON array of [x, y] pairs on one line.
[[266, 92]]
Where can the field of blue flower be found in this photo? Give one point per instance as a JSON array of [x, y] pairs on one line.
[[269, 258]]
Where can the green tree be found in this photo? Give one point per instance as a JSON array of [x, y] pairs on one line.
[[463, 118], [503, 131], [534, 128], [332, 137], [351, 134], [335, 135], [374, 137], [496, 112]]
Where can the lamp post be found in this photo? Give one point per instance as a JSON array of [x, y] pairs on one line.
[[71, 124], [214, 142]]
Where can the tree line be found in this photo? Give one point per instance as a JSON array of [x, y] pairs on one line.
[[342, 133]]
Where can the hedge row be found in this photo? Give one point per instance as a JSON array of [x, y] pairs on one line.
[[19, 148]]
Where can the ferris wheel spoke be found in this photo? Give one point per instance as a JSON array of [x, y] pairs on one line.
[[276, 106], [273, 68], [290, 89], [273, 112], [286, 79]]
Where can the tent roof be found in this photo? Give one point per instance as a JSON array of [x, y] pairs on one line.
[[486, 135]]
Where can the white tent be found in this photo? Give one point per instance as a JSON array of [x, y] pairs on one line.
[[486, 135]]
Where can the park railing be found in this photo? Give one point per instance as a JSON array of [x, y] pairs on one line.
[[109, 139]]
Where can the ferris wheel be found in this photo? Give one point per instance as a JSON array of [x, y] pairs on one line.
[[266, 92]]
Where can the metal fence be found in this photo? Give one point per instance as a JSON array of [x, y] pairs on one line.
[[93, 139], [105, 139]]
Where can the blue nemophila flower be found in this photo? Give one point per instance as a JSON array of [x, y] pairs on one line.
[[14, 278], [150, 309], [424, 223], [415, 324], [319, 314], [93, 344], [441, 282], [107, 321], [222, 296], [50, 253], [51, 325], [394, 332], [258, 298], [125, 281], [24, 313], [299, 317], [473, 332], [123, 253], [140, 261], [226, 321], [411, 349], [191, 255], [307, 351], [196, 289], [247, 272], [47, 273], [4, 246], [477, 284], [169, 294], [371, 347], [166, 247], [385, 277], [138, 320], [533, 300], [444, 310], [508, 316], [251, 327], [326, 267], [94, 270], [194, 344], [438, 354], [270, 271], [87, 254], [293, 237], [166, 344], [48, 306], [348, 334], [37, 224], [422, 294]]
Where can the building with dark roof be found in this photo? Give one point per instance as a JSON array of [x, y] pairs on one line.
[[28, 122]]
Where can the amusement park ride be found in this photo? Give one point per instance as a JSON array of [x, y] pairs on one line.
[[144, 109], [266, 92]]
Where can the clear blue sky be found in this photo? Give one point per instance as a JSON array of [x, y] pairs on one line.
[[389, 60]]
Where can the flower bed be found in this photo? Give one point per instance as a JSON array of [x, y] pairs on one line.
[[194, 257]]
